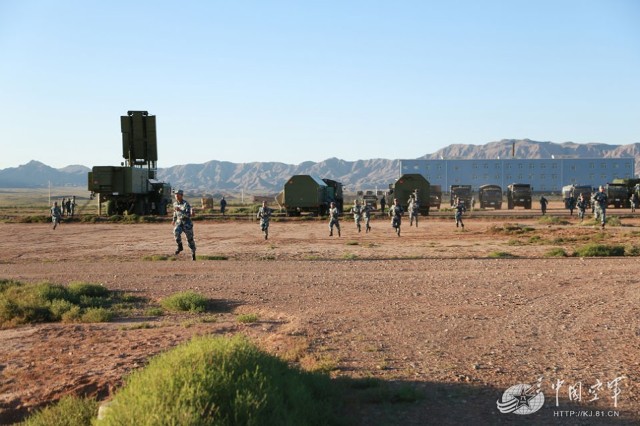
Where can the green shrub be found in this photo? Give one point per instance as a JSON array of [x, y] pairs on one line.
[[158, 257], [556, 252], [211, 257], [79, 289], [247, 318], [186, 301], [632, 250], [223, 382], [69, 411], [599, 250], [97, 315], [501, 255], [154, 312], [552, 220]]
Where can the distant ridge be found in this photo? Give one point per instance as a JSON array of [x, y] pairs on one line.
[[269, 177]]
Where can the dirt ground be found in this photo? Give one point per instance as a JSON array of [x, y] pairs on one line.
[[430, 309]]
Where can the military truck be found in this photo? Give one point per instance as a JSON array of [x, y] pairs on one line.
[[306, 193], [368, 198], [132, 187], [407, 185], [435, 196], [617, 195], [463, 192], [490, 196], [519, 194]]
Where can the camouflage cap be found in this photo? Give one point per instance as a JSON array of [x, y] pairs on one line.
[[179, 192]]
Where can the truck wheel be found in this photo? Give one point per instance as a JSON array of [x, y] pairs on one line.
[[111, 208]]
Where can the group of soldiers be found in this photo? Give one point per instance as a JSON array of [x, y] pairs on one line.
[[67, 208], [599, 202]]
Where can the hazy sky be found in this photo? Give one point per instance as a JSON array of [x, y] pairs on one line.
[[292, 81]]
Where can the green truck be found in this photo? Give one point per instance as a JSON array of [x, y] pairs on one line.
[[519, 195], [133, 187], [462, 192], [490, 196], [408, 185], [306, 193]]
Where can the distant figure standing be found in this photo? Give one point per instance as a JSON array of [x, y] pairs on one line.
[[383, 203], [63, 206], [366, 212], [543, 205], [459, 210], [473, 203], [582, 207], [56, 214], [334, 219], [357, 213], [223, 205], [601, 205], [73, 205], [264, 214], [182, 221], [396, 212], [633, 201]]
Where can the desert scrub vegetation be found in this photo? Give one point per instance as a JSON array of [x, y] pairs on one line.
[[69, 411], [501, 255], [552, 220], [223, 382], [509, 229], [556, 252], [247, 318], [211, 257], [158, 257], [599, 250], [45, 302], [186, 301]]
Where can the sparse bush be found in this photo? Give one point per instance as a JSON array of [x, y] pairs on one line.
[[186, 301], [247, 318], [223, 382], [509, 229], [556, 252], [154, 312], [501, 255], [552, 220], [211, 257], [349, 256], [69, 411], [351, 243], [158, 257], [599, 250], [632, 250], [97, 315]]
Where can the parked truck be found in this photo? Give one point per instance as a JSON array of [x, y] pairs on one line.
[[490, 196], [519, 195], [306, 193], [618, 195], [435, 196], [463, 192], [408, 185], [132, 187]]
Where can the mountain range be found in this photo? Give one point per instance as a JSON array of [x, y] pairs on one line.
[[268, 177]]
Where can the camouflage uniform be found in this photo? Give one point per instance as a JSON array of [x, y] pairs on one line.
[[571, 204], [459, 208], [56, 215], [334, 220], [601, 205], [633, 201], [357, 214], [183, 223], [414, 211], [366, 212], [396, 212], [264, 214], [582, 207]]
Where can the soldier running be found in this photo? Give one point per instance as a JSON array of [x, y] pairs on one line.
[[264, 214], [357, 213], [582, 207], [414, 210], [459, 209], [396, 212], [366, 212], [182, 221], [56, 214], [334, 219]]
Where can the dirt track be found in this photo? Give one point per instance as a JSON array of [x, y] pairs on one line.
[[430, 308]]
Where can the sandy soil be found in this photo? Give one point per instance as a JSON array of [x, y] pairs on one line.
[[429, 308]]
